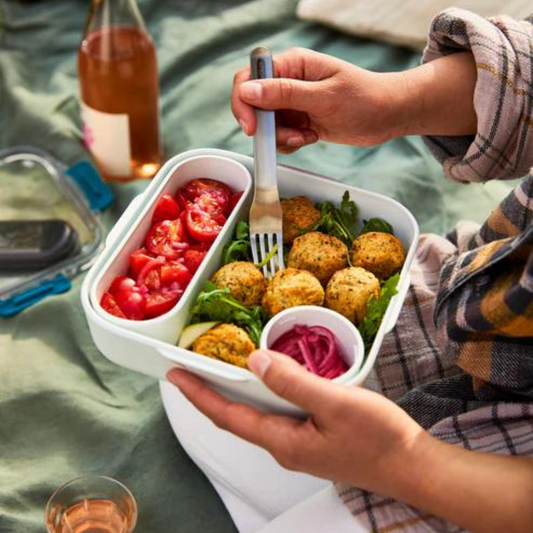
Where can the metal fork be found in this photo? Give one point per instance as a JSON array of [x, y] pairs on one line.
[[265, 213]]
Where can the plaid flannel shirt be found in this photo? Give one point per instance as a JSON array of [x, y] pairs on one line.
[[460, 360]]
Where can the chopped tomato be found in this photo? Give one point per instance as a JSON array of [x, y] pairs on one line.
[[201, 226], [159, 302], [166, 209], [110, 305], [193, 259], [149, 275], [199, 186], [132, 303], [167, 238], [138, 259], [175, 272], [207, 203], [181, 200], [233, 201], [152, 281], [200, 246], [219, 219], [183, 229], [183, 218], [121, 283]]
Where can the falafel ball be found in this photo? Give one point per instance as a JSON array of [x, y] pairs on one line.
[[226, 342], [320, 254], [298, 213], [378, 252], [245, 282], [348, 292], [291, 287]]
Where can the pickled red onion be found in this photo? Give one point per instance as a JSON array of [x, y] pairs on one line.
[[315, 348]]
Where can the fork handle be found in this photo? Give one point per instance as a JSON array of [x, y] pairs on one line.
[[265, 167]]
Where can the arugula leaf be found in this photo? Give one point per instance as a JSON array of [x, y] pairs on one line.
[[238, 249], [376, 224], [339, 221], [348, 212], [376, 309], [220, 305], [242, 231]]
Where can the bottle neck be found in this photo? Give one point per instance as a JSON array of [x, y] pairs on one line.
[[105, 14]]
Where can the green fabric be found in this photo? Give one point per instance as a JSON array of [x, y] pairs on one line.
[[64, 409]]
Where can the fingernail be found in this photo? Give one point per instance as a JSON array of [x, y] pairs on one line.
[[244, 126], [258, 362], [294, 142], [174, 376], [251, 90]]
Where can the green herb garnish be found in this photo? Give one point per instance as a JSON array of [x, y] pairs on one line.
[[238, 249], [376, 308], [376, 224], [220, 305], [337, 221]]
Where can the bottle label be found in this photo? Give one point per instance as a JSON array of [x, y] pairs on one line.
[[107, 137]]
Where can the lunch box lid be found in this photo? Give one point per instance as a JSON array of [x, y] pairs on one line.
[[43, 193]]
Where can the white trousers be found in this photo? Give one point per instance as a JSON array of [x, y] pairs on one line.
[[260, 495]]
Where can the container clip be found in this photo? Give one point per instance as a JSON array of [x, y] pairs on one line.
[[89, 181], [17, 303]]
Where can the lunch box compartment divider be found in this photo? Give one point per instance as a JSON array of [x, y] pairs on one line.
[[131, 230]]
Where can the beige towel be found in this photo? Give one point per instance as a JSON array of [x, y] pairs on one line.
[[404, 22]]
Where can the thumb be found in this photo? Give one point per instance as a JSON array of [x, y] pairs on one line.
[[288, 379], [280, 93]]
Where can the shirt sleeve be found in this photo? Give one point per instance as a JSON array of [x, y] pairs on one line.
[[503, 97]]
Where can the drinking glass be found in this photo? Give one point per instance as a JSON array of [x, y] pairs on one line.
[[91, 504]]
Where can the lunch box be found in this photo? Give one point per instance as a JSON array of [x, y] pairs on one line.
[[149, 346]]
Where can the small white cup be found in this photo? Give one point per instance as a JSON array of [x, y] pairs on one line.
[[349, 339]]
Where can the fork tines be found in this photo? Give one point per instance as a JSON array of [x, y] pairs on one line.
[[262, 245]]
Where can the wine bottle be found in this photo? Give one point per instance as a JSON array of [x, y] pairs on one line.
[[119, 86]]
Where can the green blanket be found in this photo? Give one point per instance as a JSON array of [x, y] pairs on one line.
[[64, 409]]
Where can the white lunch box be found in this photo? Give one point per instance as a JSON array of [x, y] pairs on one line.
[[149, 346]]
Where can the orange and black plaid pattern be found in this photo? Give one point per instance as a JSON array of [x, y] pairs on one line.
[[460, 360]]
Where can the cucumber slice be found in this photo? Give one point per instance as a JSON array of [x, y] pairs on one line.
[[192, 332]]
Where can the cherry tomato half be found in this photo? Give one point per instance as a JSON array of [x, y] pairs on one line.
[[167, 238], [201, 246], [199, 186], [193, 259], [181, 200], [138, 259], [175, 272], [201, 226], [132, 303], [110, 305], [210, 204], [121, 283], [166, 209], [159, 302], [233, 201], [150, 274]]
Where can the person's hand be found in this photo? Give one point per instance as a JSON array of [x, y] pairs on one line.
[[360, 438], [352, 435], [317, 96]]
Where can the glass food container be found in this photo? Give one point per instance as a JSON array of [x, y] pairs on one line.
[[49, 227]]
